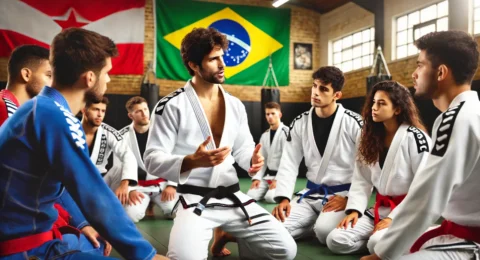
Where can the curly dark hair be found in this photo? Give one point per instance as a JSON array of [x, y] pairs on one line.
[[373, 134], [456, 49], [330, 74], [200, 42]]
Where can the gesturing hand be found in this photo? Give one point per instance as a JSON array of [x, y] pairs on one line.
[[257, 160], [205, 158]]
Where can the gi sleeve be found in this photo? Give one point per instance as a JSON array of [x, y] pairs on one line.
[[243, 145], [162, 137], [360, 190], [77, 219], [122, 151], [418, 149], [291, 157]]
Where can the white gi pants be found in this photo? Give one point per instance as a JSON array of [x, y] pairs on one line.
[[152, 193], [262, 192], [445, 247], [355, 240], [266, 238], [306, 218]]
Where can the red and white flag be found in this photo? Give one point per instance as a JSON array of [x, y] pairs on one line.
[[38, 21]]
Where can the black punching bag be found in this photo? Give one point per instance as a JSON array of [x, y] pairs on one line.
[[268, 95], [150, 91], [374, 79]]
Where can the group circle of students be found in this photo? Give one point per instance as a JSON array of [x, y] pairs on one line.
[[180, 157]]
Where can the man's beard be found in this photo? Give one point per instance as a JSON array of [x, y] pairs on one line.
[[94, 93], [210, 78], [429, 90], [142, 122], [33, 88], [92, 123]]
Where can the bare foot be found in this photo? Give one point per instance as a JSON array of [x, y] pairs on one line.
[[220, 239], [149, 212]]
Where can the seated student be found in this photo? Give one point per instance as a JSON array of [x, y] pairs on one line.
[[326, 136], [102, 141], [448, 185], [263, 186], [158, 190], [393, 148]]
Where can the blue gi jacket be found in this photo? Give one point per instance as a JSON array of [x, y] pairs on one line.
[[43, 150]]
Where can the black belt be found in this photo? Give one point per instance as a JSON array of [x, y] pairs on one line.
[[270, 172], [220, 192]]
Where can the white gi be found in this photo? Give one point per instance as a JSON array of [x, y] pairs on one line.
[[334, 168], [108, 140], [406, 156], [178, 127], [447, 187], [272, 152], [151, 192]]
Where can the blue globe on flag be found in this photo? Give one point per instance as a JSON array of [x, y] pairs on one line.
[[238, 41]]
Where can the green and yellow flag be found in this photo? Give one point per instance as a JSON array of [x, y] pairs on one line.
[[254, 33]]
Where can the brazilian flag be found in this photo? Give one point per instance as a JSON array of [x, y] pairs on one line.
[[254, 34]]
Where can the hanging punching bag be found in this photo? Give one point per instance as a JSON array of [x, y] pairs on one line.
[[268, 95], [150, 91]]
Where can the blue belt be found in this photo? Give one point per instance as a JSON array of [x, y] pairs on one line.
[[323, 189]]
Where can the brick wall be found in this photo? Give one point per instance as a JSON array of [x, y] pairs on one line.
[[306, 26]]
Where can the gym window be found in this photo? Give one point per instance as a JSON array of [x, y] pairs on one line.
[[354, 51], [476, 16], [416, 24]]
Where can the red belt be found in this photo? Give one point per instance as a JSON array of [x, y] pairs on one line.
[[386, 201], [448, 228], [22, 244], [150, 182]]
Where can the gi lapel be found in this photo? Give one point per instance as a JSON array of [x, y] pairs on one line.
[[395, 146], [98, 145], [132, 138]]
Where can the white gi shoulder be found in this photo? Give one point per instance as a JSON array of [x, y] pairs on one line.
[[112, 131], [162, 104], [124, 131], [299, 120], [420, 138], [445, 129], [357, 118]]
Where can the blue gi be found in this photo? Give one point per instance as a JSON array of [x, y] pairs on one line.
[[43, 149]]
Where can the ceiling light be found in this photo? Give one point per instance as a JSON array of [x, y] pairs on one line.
[[278, 3]]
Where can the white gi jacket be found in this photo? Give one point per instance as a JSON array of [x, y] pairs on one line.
[[337, 164], [178, 127], [128, 135], [272, 152], [406, 156], [108, 140]]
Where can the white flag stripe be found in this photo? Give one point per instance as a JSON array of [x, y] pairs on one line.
[[22, 18], [113, 26]]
